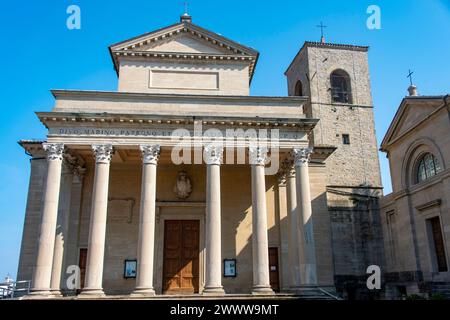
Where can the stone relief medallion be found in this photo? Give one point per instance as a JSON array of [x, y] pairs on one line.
[[183, 186]]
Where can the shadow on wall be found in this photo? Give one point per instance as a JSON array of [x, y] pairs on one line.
[[357, 239]]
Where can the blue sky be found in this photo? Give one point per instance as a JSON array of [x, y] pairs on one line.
[[40, 54]]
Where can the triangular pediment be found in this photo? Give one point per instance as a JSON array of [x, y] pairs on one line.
[[410, 114], [185, 43], [184, 38]]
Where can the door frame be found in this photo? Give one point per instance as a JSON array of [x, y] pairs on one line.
[[278, 266], [196, 286], [178, 211]]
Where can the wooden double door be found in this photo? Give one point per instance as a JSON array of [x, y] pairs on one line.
[[181, 257]]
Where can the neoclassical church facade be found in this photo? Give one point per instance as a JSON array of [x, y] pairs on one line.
[[416, 215], [143, 191]]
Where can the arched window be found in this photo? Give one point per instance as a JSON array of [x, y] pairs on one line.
[[428, 166], [299, 88], [340, 87]]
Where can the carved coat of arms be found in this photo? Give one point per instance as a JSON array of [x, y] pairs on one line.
[[183, 186]]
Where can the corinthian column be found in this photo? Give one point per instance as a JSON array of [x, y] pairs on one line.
[[260, 244], [293, 224], [62, 226], [46, 244], [146, 244], [97, 229], [213, 280], [307, 252]]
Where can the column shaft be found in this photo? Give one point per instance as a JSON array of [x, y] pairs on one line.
[[146, 244], [97, 229], [43, 269], [213, 277], [307, 252], [293, 222], [260, 243], [61, 231]]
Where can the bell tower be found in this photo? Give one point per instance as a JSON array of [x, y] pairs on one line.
[[336, 79]]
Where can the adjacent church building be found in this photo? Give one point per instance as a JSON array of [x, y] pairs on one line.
[[143, 191], [416, 215]]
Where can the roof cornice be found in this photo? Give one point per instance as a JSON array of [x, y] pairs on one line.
[[313, 44], [79, 117], [60, 94]]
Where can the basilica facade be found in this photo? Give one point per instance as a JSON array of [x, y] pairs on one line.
[[180, 182]]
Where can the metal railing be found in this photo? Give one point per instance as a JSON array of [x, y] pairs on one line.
[[329, 294], [13, 289]]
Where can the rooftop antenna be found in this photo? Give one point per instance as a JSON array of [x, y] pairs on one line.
[[322, 27]]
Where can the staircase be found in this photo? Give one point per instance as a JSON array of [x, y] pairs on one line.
[[442, 288]]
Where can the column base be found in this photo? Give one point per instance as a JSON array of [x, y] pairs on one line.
[[213, 291], [91, 293], [143, 292], [40, 294], [262, 290], [56, 293]]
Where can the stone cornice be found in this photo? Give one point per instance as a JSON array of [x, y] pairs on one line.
[[205, 57], [93, 94], [33, 148], [312, 44], [49, 118], [428, 205]]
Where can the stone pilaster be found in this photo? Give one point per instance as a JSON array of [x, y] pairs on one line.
[[213, 281], [146, 245]]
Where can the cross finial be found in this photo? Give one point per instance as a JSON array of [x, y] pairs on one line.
[[410, 73], [322, 27], [186, 18]]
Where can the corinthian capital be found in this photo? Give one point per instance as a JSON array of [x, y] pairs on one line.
[[287, 167], [150, 153], [103, 153], [213, 154], [54, 151], [258, 156], [302, 156]]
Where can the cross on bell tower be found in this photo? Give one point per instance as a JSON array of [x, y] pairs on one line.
[[322, 27]]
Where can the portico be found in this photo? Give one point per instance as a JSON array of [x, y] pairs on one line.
[[149, 156]]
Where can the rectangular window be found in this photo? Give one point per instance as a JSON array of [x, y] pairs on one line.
[[346, 139], [437, 244]]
